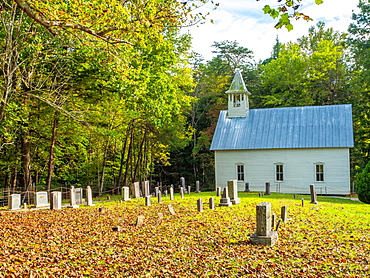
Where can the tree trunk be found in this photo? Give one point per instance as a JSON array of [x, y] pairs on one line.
[[51, 153]]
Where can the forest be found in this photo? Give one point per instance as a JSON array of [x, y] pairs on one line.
[[106, 93]]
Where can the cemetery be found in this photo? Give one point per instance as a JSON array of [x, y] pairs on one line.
[[222, 233]]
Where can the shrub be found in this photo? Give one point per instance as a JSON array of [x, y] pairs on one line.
[[363, 185]]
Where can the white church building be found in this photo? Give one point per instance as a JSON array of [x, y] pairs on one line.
[[290, 147]]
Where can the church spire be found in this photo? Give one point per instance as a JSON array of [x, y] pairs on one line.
[[238, 104]]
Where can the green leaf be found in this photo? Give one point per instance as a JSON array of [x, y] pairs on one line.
[[318, 2], [266, 9]]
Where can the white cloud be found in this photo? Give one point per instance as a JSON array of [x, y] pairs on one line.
[[245, 22]]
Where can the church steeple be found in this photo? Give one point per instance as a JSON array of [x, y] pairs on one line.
[[238, 104]]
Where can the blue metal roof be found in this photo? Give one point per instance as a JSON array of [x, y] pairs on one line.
[[289, 127]]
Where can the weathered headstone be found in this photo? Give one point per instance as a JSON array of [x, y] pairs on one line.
[[79, 195], [211, 203], [89, 197], [302, 202], [268, 188], [171, 210], [125, 193], [156, 190], [284, 213], [72, 198], [140, 221], [147, 201], [56, 200], [273, 221], [171, 194], [24, 205], [247, 187], [182, 192], [136, 190], [225, 200], [189, 187], [200, 204], [41, 199], [146, 188], [182, 183], [313, 194], [264, 235], [232, 186], [165, 193], [14, 201], [218, 191], [159, 197], [197, 187]]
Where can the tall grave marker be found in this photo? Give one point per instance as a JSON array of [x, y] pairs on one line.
[[264, 234]]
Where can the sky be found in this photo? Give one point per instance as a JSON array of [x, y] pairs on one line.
[[244, 21]]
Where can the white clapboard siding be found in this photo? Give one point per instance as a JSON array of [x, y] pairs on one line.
[[299, 169]]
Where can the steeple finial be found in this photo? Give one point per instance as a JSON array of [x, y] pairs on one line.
[[238, 104]]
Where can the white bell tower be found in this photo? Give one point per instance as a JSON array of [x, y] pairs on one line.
[[238, 104]]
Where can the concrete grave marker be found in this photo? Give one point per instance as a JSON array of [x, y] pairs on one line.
[[89, 197], [182, 192], [273, 221], [146, 188], [125, 193], [182, 183], [268, 188], [79, 195], [218, 192], [171, 194], [200, 205], [72, 198], [41, 199], [147, 201], [159, 197], [197, 187], [211, 203], [140, 221], [247, 187], [14, 201], [136, 190], [189, 187], [171, 210], [156, 190], [166, 193], [56, 200], [302, 202], [264, 235], [313, 194], [284, 213], [225, 200], [232, 187]]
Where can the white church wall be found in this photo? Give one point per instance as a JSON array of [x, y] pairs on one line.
[[298, 166]]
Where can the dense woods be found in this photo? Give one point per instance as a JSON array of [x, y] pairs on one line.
[[104, 94]]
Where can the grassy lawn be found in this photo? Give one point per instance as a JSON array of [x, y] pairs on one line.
[[330, 239]]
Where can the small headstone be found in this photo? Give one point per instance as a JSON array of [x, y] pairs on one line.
[[200, 204], [247, 187], [140, 221], [160, 215], [212, 203], [182, 192], [218, 192], [268, 189], [108, 198], [136, 190], [165, 193], [225, 200], [147, 201], [125, 193], [278, 225], [89, 196], [156, 190], [182, 183], [232, 186], [117, 229], [102, 209], [171, 194], [56, 200], [24, 205], [41, 199], [146, 188], [313, 194], [264, 235], [72, 198], [171, 210], [159, 197], [79, 195], [197, 187], [273, 221], [284, 213], [302, 202], [189, 187], [294, 196]]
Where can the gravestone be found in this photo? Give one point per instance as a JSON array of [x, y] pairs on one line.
[[189, 187], [313, 194], [264, 235], [147, 201], [79, 195], [302, 202], [225, 200], [72, 198], [166, 193], [197, 187], [140, 221], [136, 190], [247, 187], [284, 213], [171, 194], [24, 205], [232, 187], [182, 192], [56, 200], [14, 201], [156, 190], [182, 184], [125, 193], [41, 199], [212, 203], [200, 204], [159, 197], [171, 210], [268, 188], [89, 197], [273, 221], [146, 188], [218, 192]]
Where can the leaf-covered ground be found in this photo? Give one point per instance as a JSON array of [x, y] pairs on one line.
[[331, 239]]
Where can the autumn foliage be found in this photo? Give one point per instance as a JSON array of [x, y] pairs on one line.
[[331, 239]]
